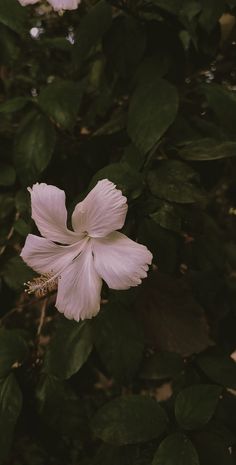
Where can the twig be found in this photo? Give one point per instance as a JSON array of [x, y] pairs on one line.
[[42, 316], [10, 234]]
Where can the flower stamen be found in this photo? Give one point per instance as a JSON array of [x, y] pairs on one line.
[[42, 285]]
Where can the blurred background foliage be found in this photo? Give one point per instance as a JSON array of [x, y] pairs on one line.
[[142, 92]]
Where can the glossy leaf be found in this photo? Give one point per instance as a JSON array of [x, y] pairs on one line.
[[195, 405], [69, 349], [152, 110], [10, 407], [34, 147], [129, 420], [176, 449]]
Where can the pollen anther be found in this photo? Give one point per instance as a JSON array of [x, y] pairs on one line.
[[42, 285]]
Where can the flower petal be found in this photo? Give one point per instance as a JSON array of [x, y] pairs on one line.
[[121, 262], [46, 257], [102, 211], [79, 288], [28, 2], [64, 4], [49, 213]]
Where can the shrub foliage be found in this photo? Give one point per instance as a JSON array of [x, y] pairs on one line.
[[141, 92]]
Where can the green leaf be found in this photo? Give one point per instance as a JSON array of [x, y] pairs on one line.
[[7, 175], [69, 349], [219, 368], [13, 15], [195, 405], [156, 65], [163, 365], [167, 217], [213, 449], [10, 407], [91, 29], [22, 227], [133, 157], [115, 124], [211, 13], [208, 149], [7, 206], [129, 420], [119, 341], [15, 273], [13, 350], [128, 180], [14, 104], [62, 410], [175, 181], [223, 102], [34, 145], [152, 110], [180, 324], [126, 44], [172, 6], [176, 449], [61, 101], [162, 243]]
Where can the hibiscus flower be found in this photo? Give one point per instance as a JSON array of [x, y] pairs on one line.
[[57, 5], [78, 260]]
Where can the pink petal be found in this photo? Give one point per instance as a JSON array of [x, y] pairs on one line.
[[121, 262], [46, 257], [79, 288], [64, 4], [28, 2], [102, 211], [49, 213]]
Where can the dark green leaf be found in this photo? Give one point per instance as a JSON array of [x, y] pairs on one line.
[[129, 420], [10, 407], [167, 217], [179, 325], [22, 227], [172, 6], [162, 243], [13, 15], [133, 157], [7, 175], [195, 405], [176, 449], [34, 146], [125, 178], [61, 101], [13, 350], [208, 149], [15, 273], [223, 102], [153, 108], [119, 341], [175, 181], [14, 104], [211, 12], [115, 124], [91, 29], [126, 44], [163, 365], [7, 206], [213, 449], [69, 349], [219, 368]]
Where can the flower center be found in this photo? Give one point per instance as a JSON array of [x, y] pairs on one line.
[[42, 285]]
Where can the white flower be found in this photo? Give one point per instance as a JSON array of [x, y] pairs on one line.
[[59, 5], [94, 250], [28, 2]]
